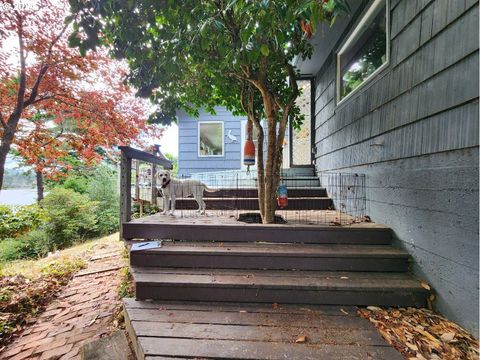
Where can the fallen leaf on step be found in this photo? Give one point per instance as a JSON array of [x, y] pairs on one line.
[[344, 277], [447, 337], [343, 311], [301, 339], [243, 311], [373, 308], [425, 285], [412, 346]]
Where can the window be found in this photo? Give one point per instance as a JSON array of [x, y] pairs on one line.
[[210, 138], [366, 51]]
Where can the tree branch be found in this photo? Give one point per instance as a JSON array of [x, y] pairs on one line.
[[44, 67], [15, 115], [2, 121]]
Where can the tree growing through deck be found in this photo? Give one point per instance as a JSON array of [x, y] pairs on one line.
[[194, 53]]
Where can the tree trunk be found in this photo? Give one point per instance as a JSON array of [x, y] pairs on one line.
[[40, 187], [271, 179], [260, 167], [7, 140]]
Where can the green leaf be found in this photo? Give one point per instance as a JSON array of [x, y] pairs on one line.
[[230, 4], [73, 40], [264, 50]]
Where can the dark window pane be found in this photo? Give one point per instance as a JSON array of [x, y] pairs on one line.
[[365, 55], [210, 140]]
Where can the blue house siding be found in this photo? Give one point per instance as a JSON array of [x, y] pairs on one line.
[[413, 130], [188, 160]]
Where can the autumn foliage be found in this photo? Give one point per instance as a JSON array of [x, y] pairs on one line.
[[55, 102]]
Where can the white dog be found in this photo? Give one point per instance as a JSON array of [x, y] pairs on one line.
[[175, 188]]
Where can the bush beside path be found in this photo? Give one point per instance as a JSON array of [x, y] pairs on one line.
[[82, 311]]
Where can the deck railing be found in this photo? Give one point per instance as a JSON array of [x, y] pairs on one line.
[[128, 155]]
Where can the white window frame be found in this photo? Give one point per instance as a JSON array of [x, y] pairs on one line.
[[198, 138], [366, 19]]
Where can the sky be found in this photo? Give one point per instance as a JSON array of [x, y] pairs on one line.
[[169, 140]]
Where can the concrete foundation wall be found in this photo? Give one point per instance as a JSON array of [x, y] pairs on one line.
[[413, 130]]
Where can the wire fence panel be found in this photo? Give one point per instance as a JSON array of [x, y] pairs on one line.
[[329, 199]]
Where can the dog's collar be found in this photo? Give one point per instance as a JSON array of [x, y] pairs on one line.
[[166, 184]]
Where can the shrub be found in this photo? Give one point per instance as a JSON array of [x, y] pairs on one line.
[[10, 249], [76, 183], [17, 220], [34, 244], [102, 188], [71, 217]]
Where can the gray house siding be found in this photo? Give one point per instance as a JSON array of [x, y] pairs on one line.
[[188, 159], [413, 130]]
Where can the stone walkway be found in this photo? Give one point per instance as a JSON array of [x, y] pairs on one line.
[[82, 311]]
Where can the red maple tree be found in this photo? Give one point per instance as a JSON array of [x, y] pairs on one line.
[[54, 100]]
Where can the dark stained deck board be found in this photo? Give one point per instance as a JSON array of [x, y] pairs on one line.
[[159, 332], [316, 335], [274, 256], [272, 262], [258, 249], [331, 310], [224, 349], [269, 286], [276, 278], [394, 297], [237, 232], [300, 320]]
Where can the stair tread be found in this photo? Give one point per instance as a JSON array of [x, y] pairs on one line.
[[290, 250], [314, 280]]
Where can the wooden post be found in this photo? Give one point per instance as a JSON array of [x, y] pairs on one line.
[[137, 178], [154, 185], [125, 191]]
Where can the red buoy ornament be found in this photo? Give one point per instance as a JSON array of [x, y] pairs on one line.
[[249, 153], [249, 148]]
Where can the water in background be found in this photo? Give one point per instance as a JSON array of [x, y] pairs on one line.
[[18, 196]]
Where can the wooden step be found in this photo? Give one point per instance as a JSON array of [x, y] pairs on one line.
[[253, 192], [158, 227], [274, 256], [251, 181], [279, 286], [296, 203], [161, 330]]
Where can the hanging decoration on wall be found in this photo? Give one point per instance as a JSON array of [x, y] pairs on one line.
[[249, 148]]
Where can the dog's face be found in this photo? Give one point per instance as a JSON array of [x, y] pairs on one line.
[[163, 177]]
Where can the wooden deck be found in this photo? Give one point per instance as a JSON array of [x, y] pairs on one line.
[[297, 218], [162, 330]]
